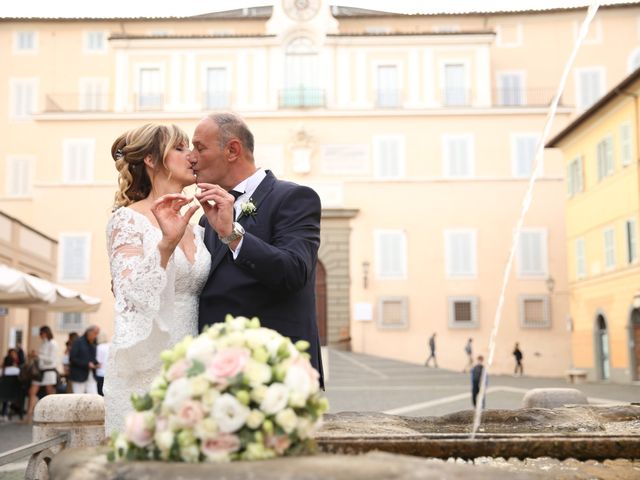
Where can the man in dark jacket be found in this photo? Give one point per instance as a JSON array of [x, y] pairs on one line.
[[83, 363]]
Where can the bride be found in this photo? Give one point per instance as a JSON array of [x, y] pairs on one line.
[[158, 261]]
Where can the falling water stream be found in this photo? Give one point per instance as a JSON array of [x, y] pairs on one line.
[[526, 203]]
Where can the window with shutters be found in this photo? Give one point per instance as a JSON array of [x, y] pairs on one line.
[[150, 88], [455, 85], [589, 86], [71, 322], [581, 263], [93, 94], [388, 156], [78, 160], [388, 86], [534, 311], [19, 177], [390, 249], [631, 230], [532, 253], [460, 253], [626, 152], [217, 88], [458, 156], [95, 42], [511, 89], [74, 257], [393, 312], [463, 312], [575, 176], [23, 97], [523, 152], [604, 157], [25, 41], [609, 236]]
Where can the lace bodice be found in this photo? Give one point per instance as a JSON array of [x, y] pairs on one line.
[[155, 307]]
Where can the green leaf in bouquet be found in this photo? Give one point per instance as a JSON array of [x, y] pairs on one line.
[[141, 402], [197, 367]]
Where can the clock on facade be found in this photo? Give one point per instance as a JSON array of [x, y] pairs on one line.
[[301, 10]]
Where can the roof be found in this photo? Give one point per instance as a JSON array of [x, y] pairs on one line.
[[619, 89]]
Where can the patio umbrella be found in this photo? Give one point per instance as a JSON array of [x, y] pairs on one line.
[[19, 289]]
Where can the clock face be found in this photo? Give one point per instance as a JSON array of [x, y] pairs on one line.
[[301, 10]]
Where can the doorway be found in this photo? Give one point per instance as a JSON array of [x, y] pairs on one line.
[[602, 348]]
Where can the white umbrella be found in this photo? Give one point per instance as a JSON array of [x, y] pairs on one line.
[[18, 289]]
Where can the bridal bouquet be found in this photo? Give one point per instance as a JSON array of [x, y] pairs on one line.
[[238, 391]]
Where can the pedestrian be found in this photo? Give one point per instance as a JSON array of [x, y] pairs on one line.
[[10, 382], [83, 362], [73, 336], [47, 361], [102, 354], [476, 378], [468, 349], [517, 353], [432, 350], [20, 353]]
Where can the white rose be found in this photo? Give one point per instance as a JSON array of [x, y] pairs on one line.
[[206, 428], [202, 348], [229, 413], [275, 399], [258, 393], [257, 373], [231, 339], [164, 440], [198, 386], [255, 419], [177, 393], [298, 381], [287, 419]]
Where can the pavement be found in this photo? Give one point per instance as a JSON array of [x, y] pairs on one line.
[[358, 382]]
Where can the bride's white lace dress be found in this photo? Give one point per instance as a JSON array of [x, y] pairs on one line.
[[154, 307]]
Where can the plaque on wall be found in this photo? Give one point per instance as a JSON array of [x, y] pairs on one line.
[[345, 159]]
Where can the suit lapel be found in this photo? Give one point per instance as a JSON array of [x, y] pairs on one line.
[[260, 193]]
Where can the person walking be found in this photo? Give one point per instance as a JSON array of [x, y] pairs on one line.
[[47, 360], [476, 379], [517, 353], [468, 349], [83, 362], [432, 351]]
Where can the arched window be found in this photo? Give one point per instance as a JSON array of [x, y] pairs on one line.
[[301, 75]]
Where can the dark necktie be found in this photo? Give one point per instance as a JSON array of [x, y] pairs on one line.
[[235, 194]]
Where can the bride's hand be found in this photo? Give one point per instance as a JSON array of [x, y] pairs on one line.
[[172, 223]]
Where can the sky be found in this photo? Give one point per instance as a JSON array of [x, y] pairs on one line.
[[132, 8]]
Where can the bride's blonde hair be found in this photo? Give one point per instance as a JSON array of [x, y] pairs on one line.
[[129, 151]]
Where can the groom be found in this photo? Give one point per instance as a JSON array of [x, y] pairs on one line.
[[263, 235]]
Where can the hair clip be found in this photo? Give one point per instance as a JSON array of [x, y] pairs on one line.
[[119, 154]]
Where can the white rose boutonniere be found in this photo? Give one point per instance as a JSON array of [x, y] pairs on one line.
[[248, 208]]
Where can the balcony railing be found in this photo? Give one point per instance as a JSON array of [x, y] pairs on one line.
[[301, 97], [216, 100], [524, 97], [388, 98], [456, 97], [152, 102]]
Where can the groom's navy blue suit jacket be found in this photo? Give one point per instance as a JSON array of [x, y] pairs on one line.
[[274, 276]]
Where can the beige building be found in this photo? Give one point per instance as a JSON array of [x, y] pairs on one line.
[[417, 131]]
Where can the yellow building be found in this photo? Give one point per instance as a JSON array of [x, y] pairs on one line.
[[417, 131], [600, 150]]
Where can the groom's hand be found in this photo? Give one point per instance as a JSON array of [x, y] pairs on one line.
[[220, 213]]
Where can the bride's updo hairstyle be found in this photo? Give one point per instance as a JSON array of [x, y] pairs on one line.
[[129, 151]]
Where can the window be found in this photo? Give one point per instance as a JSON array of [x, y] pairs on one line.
[[626, 155], [78, 160], [523, 152], [532, 253], [609, 248], [463, 312], [25, 42], [71, 322], [511, 89], [388, 94], [302, 75], [458, 156], [390, 248], [604, 155], [393, 312], [460, 253], [150, 89], [388, 156], [581, 266], [93, 94], [455, 84], [74, 257], [631, 227], [19, 176], [95, 42], [534, 311], [590, 87], [575, 182], [23, 98], [217, 93]]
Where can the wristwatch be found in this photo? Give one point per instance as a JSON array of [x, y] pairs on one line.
[[236, 233]]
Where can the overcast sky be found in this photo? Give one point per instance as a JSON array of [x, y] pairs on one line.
[[126, 8]]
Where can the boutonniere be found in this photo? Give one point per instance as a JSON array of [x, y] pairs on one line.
[[248, 208]]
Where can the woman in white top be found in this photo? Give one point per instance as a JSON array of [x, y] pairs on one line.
[[48, 362]]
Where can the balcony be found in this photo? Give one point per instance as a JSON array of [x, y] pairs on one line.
[[388, 98], [149, 102], [456, 97], [524, 97], [301, 97], [216, 100]]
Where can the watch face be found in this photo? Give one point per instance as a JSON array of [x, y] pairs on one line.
[[301, 9]]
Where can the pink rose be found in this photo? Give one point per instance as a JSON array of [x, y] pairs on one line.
[[279, 443], [220, 445], [178, 370], [190, 413], [227, 363], [136, 429]]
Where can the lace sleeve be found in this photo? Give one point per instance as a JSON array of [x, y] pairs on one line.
[[143, 290]]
